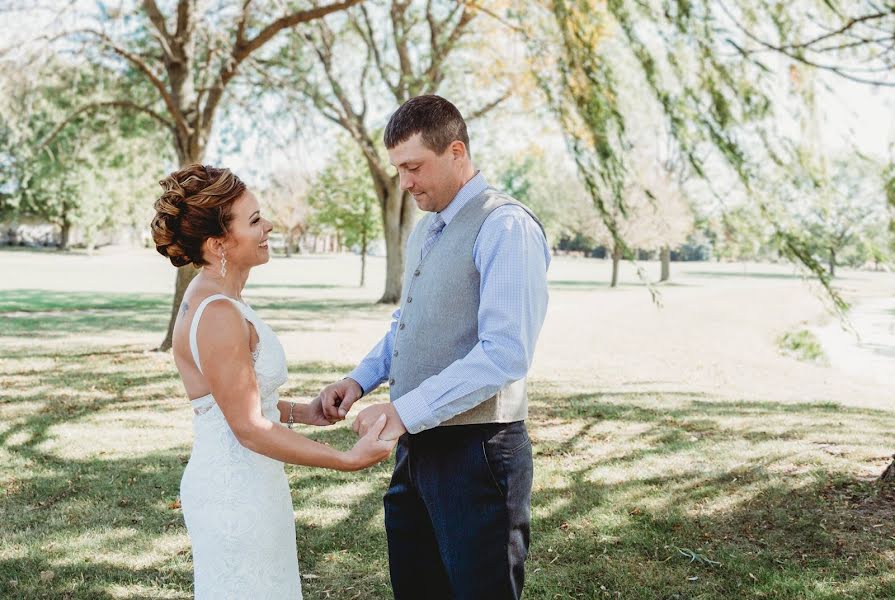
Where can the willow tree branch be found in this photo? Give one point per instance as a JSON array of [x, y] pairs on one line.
[[489, 107]]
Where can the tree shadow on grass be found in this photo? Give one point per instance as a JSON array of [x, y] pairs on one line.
[[645, 521], [49, 314], [58, 314], [828, 537], [108, 526], [75, 524], [103, 524], [75, 528], [38, 301]]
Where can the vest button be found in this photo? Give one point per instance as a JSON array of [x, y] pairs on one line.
[[402, 326], [396, 353], [409, 299], [417, 273], [391, 382]]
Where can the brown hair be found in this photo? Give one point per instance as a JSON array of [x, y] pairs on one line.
[[195, 206], [439, 122]]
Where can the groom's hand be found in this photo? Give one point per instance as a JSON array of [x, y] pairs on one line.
[[394, 427], [314, 415], [336, 399]]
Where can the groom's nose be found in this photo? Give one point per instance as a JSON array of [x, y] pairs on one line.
[[406, 181]]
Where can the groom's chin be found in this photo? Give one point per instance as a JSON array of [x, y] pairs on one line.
[[424, 206]]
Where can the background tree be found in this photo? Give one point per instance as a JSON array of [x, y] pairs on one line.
[[854, 40], [655, 216], [740, 234], [721, 106], [287, 204], [719, 97], [343, 199], [845, 208], [356, 70], [888, 179], [544, 182], [190, 57], [74, 179]]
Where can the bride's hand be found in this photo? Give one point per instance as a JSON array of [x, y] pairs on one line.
[[313, 414], [369, 449]]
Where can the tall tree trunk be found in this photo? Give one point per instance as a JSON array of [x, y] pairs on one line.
[[190, 113], [665, 256], [186, 273], [889, 473], [64, 234], [832, 262], [65, 227], [363, 257], [398, 217], [289, 242], [616, 259]]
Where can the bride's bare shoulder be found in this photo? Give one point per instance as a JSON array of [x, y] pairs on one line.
[[221, 313], [196, 293]]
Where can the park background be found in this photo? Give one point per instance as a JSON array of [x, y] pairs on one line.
[[711, 397]]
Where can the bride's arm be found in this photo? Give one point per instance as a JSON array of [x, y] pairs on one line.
[[285, 406], [224, 336], [301, 413]]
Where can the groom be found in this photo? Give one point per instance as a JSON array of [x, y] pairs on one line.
[[458, 507]]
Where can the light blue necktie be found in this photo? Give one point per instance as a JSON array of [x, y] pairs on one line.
[[432, 234]]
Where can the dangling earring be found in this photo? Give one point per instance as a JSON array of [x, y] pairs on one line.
[[223, 265]]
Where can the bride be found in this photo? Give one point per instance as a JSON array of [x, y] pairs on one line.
[[234, 493]]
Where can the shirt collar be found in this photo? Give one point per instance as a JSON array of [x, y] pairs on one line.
[[470, 190]]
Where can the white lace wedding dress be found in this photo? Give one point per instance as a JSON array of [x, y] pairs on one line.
[[236, 503]]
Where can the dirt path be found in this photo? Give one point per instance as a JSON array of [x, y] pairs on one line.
[[869, 350]]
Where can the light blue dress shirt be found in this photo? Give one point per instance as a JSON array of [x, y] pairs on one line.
[[511, 256]]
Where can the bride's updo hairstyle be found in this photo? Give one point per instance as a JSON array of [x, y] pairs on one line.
[[195, 205]]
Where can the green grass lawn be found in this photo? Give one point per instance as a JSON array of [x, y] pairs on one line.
[[641, 495]]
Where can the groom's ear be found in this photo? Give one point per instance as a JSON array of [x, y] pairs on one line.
[[458, 150]]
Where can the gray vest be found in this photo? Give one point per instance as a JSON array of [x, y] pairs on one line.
[[439, 312]]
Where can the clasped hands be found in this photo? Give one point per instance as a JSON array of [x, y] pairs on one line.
[[335, 400]]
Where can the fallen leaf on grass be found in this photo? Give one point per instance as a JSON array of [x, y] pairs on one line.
[[698, 558]]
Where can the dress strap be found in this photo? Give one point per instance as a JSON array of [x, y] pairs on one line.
[[194, 326]]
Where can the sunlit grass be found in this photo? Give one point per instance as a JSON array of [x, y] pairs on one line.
[[640, 495]]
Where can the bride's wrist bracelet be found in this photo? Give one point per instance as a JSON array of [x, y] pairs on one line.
[[291, 420]]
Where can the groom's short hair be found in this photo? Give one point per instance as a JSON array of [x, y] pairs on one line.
[[439, 122]]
